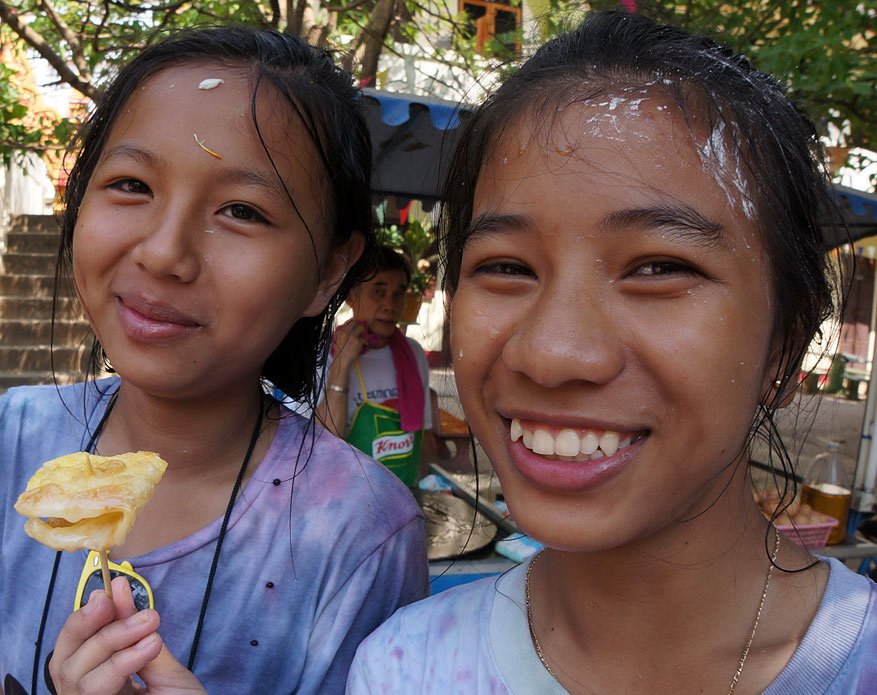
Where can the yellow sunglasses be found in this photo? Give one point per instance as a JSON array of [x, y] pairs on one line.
[[91, 579]]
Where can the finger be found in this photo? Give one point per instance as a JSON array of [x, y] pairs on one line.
[[123, 598], [104, 661], [80, 626], [165, 674], [114, 675]]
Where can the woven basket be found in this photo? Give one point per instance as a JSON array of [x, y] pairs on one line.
[[811, 536]]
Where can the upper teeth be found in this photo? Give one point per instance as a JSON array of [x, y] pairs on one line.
[[568, 442]]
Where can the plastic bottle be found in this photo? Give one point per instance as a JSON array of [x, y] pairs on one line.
[[827, 489]]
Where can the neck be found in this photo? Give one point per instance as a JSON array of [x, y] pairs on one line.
[[191, 434], [668, 608]]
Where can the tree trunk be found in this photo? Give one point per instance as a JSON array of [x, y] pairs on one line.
[[373, 36]]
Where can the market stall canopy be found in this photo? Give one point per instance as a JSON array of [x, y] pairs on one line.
[[413, 138], [859, 210]]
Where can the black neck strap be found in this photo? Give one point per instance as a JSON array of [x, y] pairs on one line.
[[234, 493]]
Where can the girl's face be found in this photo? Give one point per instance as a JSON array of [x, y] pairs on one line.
[[191, 260], [611, 329]]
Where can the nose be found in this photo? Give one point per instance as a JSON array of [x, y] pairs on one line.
[[167, 249], [569, 335]]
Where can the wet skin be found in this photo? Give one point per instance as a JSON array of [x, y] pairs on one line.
[[193, 267], [614, 280], [380, 302]]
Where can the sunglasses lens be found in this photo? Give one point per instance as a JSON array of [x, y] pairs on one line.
[[95, 581]]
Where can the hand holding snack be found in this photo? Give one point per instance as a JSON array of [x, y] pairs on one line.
[[109, 639]]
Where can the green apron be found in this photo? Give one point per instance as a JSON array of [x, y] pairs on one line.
[[377, 430]]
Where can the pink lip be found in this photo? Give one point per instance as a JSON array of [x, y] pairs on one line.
[[570, 476], [148, 321]]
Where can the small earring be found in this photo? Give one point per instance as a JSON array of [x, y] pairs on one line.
[[777, 382]]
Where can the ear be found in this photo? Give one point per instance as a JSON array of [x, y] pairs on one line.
[[338, 263], [774, 387], [786, 392]]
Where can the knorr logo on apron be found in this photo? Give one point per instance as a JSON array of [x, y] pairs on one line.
[[377, 429], [393, 445]]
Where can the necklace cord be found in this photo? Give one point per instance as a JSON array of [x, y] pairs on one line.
[[746, 647], [231, 500], [748, 644]]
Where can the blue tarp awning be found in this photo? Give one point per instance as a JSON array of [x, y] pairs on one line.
[[413, 138]]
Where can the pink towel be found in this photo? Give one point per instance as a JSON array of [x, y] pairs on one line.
[[408, 382]]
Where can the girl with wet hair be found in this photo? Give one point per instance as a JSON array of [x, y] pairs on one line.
[[216, 214], [636, 269]]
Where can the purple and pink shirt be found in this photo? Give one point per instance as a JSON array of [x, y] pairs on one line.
[[322, 546]]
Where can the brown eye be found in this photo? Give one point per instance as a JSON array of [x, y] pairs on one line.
[[662, 268], [503, 268], [245, 213], [130, 186]]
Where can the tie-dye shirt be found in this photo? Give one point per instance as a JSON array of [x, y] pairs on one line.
[[323, 545], [474, 639]]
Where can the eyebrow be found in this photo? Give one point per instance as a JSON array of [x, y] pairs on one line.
[[682, 222], [488, 224], [138, 154], [253, 178], [232, 175]]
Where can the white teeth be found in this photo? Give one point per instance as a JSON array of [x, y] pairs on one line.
[[589, 443], [566, 443], [517, 431], [543, 443], [609, 443]]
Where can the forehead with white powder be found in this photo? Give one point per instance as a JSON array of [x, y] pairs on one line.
[[622, 116]]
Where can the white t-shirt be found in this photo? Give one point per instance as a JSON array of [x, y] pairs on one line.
[[379, 375], [474, 639]]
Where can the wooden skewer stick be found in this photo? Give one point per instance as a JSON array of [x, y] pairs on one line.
[[105, 573]]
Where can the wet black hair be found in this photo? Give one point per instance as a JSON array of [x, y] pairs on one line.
[[611, 53], [323, 99]]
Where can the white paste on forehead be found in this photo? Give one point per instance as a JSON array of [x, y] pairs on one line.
[[210, 83], [610, 124], [725, 168]]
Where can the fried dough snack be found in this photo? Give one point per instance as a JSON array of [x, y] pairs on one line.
[[85, 501]]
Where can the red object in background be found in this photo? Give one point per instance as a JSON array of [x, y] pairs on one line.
[[434, 359]]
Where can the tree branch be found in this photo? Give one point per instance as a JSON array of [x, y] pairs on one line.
[[76, 53], [39, 44]]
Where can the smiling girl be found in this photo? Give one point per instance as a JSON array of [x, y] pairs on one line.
[[637, 270], [210, 248]]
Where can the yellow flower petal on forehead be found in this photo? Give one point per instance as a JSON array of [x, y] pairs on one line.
[[205, 148]]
